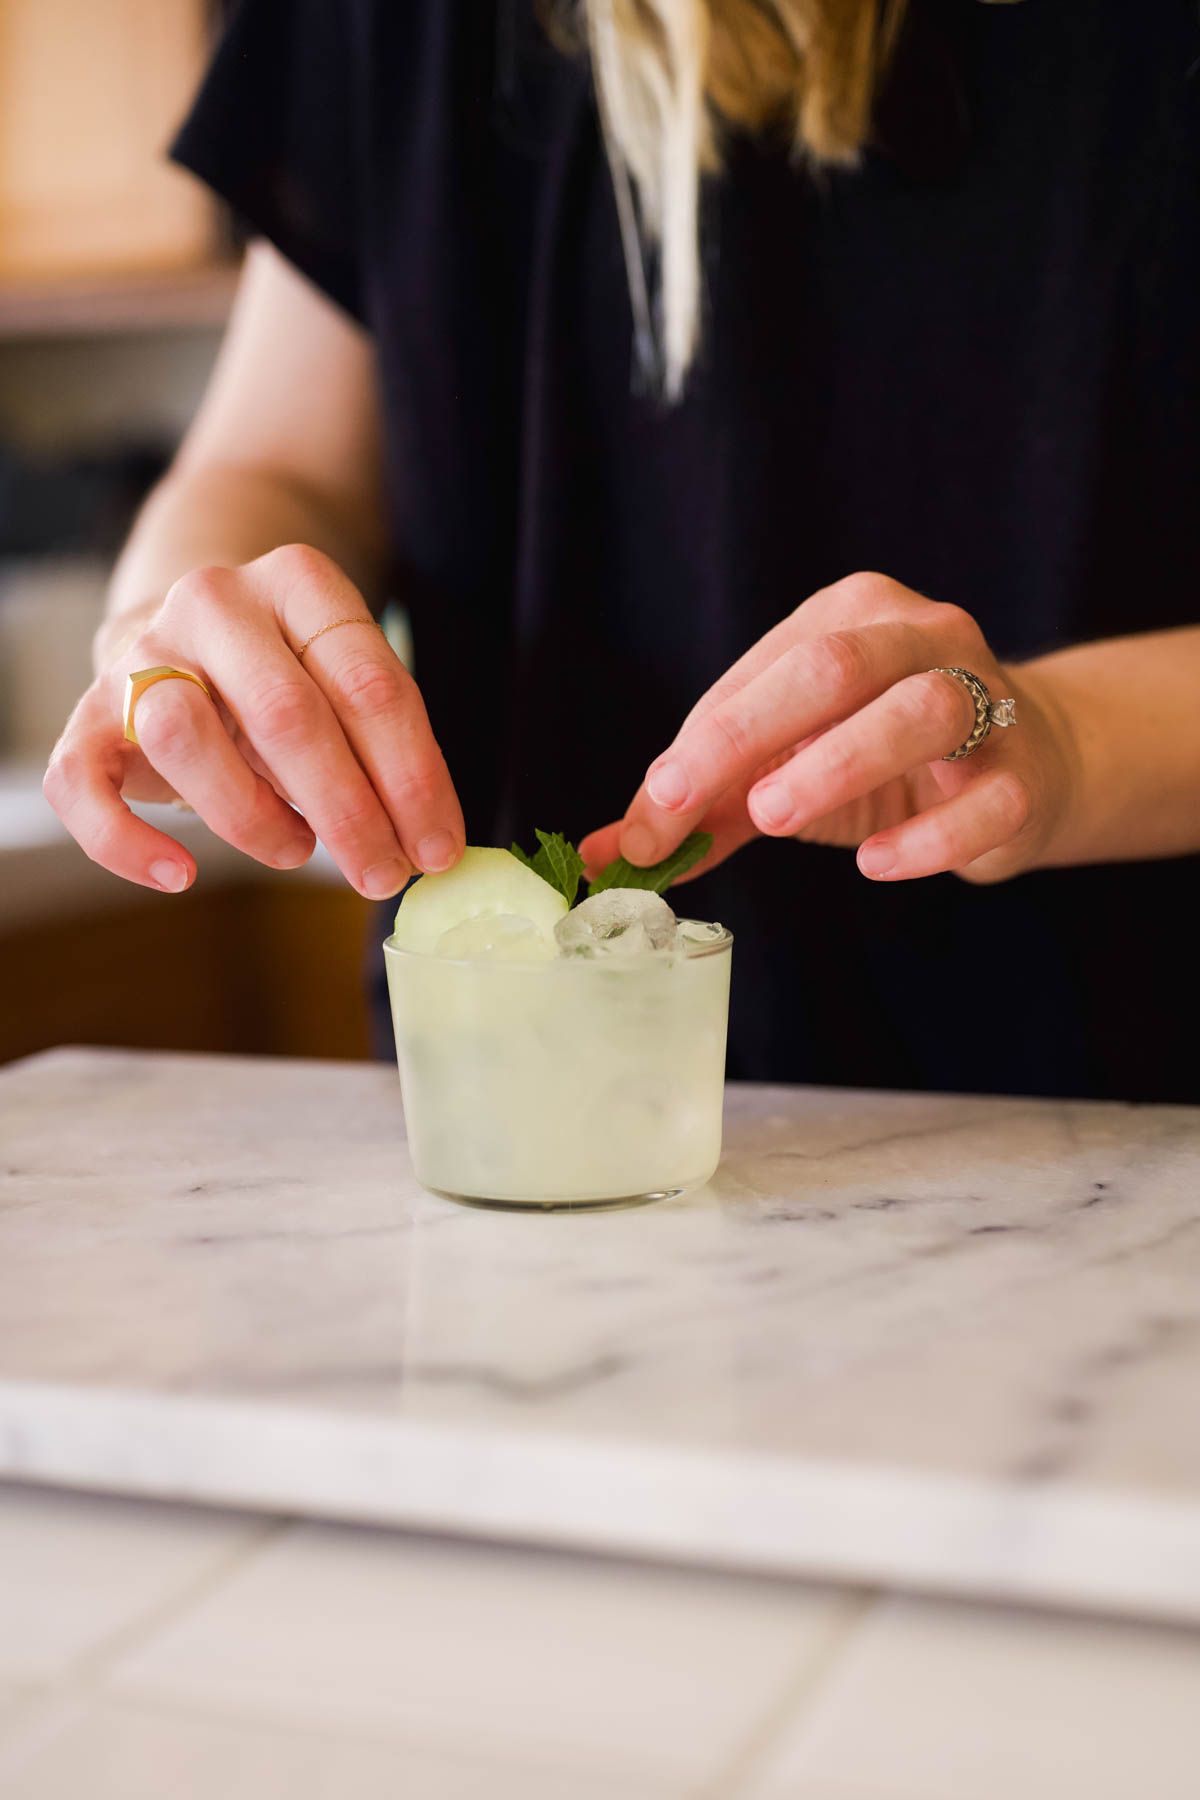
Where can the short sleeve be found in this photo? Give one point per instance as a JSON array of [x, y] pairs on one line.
[[272, 131]]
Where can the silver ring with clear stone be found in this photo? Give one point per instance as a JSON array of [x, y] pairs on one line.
[[988, 712]]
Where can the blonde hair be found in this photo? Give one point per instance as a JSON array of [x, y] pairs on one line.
[[670, 75]]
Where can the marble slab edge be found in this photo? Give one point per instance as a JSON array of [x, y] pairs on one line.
[[1123, 1553]]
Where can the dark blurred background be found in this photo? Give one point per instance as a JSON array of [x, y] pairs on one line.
[[116, 274]]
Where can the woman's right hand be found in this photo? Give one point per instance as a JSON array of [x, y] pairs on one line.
[[342, 736]]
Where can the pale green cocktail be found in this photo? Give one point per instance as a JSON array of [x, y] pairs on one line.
[[534, 1076]]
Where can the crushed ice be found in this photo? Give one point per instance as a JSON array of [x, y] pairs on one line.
[[618, 922]]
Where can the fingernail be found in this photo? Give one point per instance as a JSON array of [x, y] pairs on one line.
[[172, 877], [876, 860], [293, 855], [383, 879], [668, 785], [436, 852], [772, 805], [638, 845]]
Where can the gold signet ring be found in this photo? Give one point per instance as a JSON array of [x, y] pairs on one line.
[[137, 683]]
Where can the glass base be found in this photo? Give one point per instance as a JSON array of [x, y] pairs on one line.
[[617, 1204]]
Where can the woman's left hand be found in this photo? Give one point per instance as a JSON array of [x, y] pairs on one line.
[[832, 729]]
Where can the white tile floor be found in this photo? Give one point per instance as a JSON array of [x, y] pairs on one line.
[[149, 1651], [655, 1672], [114, 1752], [935, 1701], [12, 1702], [76, 1571]]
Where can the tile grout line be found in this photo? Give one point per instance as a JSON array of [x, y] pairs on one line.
[[207, 1709], [797, 1697], [91, 1664], [48, 1704]]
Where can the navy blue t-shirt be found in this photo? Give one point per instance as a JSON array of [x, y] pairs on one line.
[[973, 363]]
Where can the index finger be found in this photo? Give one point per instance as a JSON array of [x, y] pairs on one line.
[[807, 686], [83, 786]]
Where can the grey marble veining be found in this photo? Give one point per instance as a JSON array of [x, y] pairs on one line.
[[947, 1341]]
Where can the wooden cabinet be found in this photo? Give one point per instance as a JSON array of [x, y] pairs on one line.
[[254, 968], [90, 93]]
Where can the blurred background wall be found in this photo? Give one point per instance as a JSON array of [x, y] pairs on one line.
[[116, 274]]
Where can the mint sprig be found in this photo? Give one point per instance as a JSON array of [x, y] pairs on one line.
[[557, 862], [659, 877]]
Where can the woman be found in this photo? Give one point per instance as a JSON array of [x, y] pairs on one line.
[[621, 482]]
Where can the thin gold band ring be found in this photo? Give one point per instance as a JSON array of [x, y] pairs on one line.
[[332, 626]]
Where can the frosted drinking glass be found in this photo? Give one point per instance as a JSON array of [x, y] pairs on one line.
[[573, 1082]]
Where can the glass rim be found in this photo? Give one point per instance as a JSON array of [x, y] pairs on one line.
[[713, 947]]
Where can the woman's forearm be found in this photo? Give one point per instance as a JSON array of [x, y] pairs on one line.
[[1129, 712], [226, 515]]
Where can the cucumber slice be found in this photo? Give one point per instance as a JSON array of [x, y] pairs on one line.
[[484, 884]]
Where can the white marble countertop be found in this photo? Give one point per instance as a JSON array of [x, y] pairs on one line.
[[946, 1343]]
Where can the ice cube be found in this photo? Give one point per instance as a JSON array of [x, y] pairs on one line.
[[504, 937], [618, 922], [693, 934], [635, 940]]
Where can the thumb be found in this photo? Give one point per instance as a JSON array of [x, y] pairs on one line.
[[600, 848]]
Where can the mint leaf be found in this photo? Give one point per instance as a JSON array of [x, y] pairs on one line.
[[655, 880], [558, 863]]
